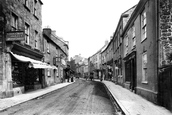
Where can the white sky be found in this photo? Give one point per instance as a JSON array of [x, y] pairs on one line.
[[86, 24]]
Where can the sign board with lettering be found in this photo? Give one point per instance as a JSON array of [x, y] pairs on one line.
[[15, 36]]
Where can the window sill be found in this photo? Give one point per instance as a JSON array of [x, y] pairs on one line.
[[144, 82], [134, 47], [36, 16], [143, 40], [36, 49], [119, 76], [27, 45], [27, 8], [127, 82]]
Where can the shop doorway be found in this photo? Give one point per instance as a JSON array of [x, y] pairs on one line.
[[23, 76], [130, 72], [33, 79]]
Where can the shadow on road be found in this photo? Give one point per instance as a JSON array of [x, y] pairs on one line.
[[99, 89]]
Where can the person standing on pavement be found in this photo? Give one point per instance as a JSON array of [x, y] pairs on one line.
[[91, 76], [103, 77], [100, 75]]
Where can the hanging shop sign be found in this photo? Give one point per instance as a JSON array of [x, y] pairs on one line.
[[15, 36]]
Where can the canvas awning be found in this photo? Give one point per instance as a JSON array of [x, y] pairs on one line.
[[33, 63]]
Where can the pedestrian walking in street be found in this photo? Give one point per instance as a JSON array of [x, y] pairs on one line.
[[91, 76]]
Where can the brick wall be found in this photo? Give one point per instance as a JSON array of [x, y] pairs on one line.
[[165, 16]]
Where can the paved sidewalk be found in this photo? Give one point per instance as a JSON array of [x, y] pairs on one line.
[[133, 104], [9, 102]]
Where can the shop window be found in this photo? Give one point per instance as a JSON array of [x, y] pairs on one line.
[[143, 26], [17, 76], [14, 22], [27, 33], [31, 77], [37, 79], [128, 72], [144, 67]]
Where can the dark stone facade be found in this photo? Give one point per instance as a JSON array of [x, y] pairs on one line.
[[165, 24]]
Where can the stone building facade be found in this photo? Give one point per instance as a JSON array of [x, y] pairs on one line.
[[21, 64], [95, 62], [107, 60], [148, 51], [50, 50], [118, 46], [146, 56], [165, 53], [56, 54], [140, 35], [63, 54], [165, 40]]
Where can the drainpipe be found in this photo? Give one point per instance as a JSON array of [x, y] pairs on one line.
[[157, 36]]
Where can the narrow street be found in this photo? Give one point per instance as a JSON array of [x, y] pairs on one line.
[[82, 97]]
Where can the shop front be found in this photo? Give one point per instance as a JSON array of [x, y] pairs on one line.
[[27, 73], [25, 78], [118, 77], [23, 70], [130, 71]]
